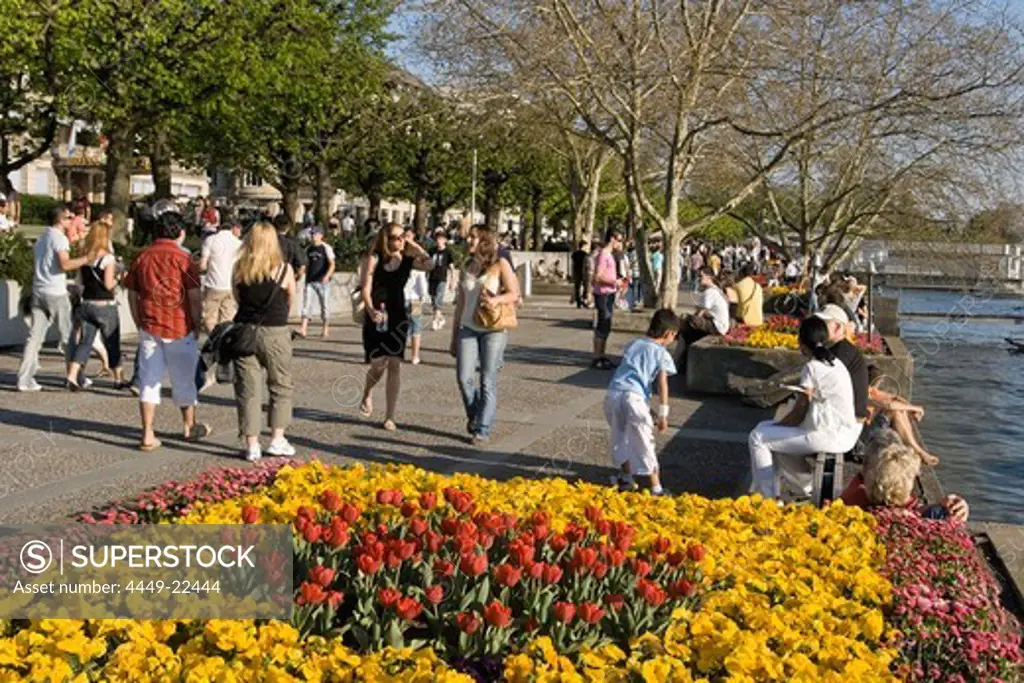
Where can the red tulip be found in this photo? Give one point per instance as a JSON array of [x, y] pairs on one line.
[[540, 517], [559, 543], [600, 570], [565, 612], [434, 541], [408, 510], [696, 552], [428, 499], [603, 527], [462, 502], [683, 588], [675, 558], [615, 601], [473, 565], [651, 592], [335, 598], [574, 532], [552, 574], [330, 500], [584, 557], [350, 512], [335, 535], [616, 557], [312, 532], [322, 575], [540, 531], [661, 545], [250, 514], [467, 622], [368, 564], [485, 539], [497, 614], [521, 553], [444, 568], [592, 513], [310, 594], [408, 608], [450, 526], [535, 569], [385, 497], [531, 625], [388, 597], [434, 594], [307, 512], [507, 575], [589, 612], [418, 526], [641, 568]]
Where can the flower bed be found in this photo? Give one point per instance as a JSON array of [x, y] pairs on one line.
[[408, 575], [780, 332], [945, 604]]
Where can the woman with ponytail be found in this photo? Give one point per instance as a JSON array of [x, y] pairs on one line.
[[822, 420]]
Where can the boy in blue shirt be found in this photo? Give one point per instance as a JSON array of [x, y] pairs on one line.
[[644, 362]]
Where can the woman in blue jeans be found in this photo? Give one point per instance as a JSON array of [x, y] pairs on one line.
[[487, 278], [98, 312]]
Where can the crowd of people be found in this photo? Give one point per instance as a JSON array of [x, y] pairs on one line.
[[238, 290]]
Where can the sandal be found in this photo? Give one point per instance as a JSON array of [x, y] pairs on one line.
[[389, 425], [199, 431], [366, 409], [152, 446], [72, 386]]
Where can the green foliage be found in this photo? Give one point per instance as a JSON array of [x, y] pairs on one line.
[[36, 208], [16, 259], [348, 251]]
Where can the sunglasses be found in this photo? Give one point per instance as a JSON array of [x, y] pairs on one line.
[[397, 236]]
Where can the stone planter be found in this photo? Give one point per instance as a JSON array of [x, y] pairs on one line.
[[710, 361]]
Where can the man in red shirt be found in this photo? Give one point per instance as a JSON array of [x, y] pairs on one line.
[[166, 304]]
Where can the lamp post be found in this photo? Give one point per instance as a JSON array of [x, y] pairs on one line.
[[472, 198]]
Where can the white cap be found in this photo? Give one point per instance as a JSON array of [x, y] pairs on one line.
[[833, 313]]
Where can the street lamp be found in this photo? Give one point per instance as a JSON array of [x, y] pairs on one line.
[[876, 255]]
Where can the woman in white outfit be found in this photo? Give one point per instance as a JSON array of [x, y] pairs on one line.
[[822, 420]]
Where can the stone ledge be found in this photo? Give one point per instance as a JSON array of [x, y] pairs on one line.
[[710, 361]]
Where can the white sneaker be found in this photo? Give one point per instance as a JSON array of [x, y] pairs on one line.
[[440, 323], [253, 453], [281, 447], [416, 361], [86, 383], [31, 386]]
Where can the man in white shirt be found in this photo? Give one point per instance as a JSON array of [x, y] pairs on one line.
[[5, 223], [49, 293], [348, 224], [216, 262], [711, 316]]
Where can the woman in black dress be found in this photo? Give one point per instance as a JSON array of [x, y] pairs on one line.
[[386, 325]]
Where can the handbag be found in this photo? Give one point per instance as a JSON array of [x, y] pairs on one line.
[[358, 307], [236, 340], [495, 318]]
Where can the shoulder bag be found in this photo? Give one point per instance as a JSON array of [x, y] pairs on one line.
[[238, 340], [494, 318]]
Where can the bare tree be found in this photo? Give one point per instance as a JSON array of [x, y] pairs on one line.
[[939, 87], [672, 89]]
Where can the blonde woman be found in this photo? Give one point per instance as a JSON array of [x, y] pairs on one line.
[[98, 310], [386, 327], [264, 287], [486, 278]]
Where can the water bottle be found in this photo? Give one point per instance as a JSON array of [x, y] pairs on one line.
[[382, 324]]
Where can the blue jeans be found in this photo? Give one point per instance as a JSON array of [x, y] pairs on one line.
[[102, 319], [485, 350]]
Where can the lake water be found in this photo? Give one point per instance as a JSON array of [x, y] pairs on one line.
[[972, 390]]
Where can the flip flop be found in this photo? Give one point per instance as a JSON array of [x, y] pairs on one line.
[[147, 447], [199, 432], [389, 425], [363, 410]]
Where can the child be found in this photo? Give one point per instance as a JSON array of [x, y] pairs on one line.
[[644, 361]]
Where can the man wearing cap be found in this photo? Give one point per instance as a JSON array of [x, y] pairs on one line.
[[857, 365], [437, 283], [319, 269]]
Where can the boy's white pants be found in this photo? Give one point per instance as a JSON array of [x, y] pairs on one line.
[[632, 432]]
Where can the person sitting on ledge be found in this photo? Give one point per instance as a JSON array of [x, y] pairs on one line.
[[711, 316], [890, 471], [822, 419]]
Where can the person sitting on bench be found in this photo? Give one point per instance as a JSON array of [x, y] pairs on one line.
[[822, 420], [890, 471]]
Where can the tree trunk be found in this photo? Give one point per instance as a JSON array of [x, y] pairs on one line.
[[324, 192], [290, 198], [437, 210], [537, 213], [118, 175], [491, 211], [420, 219], [591, 206], [669, 290], [375, 198], [160, 165]]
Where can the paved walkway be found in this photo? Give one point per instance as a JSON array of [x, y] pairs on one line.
[[63, 452]]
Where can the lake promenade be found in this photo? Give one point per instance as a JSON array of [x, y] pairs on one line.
[[64, 453]]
